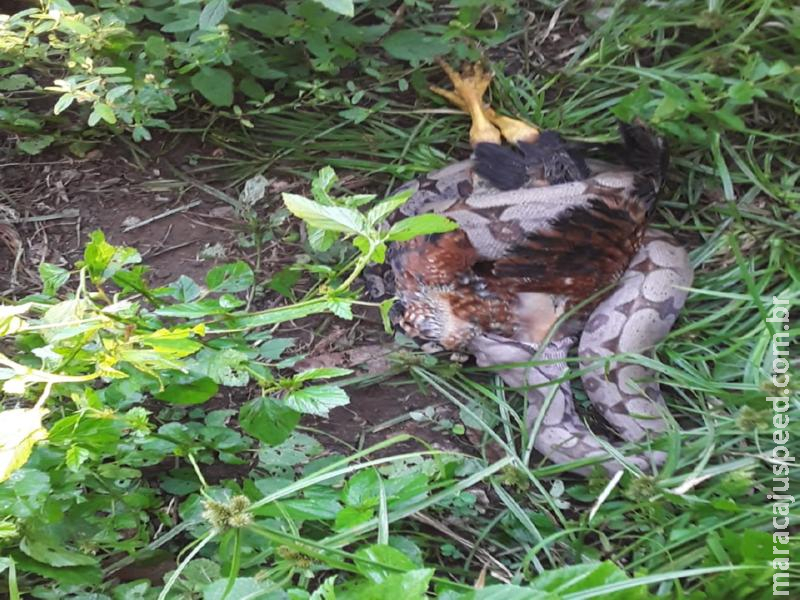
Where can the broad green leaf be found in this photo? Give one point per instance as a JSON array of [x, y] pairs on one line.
[[102, 111], [184, 289], [75, 25], [80, 576], [186, 24], [384, 555], [279, 315], [118, 92], [216, 85], [420, 225], [362, 489], [301, 509], [16, 81], [226, 367], [378, 213], [268, 420], [102, 259], [294, 451], [213, 13], [192, 392], [317, 399], [585, 577], [321, 240], [357, 114], [350, 516], [193, 310], [75, 457], [330, 218], [156, 47], [252, 89], [20, 429], [63, 103], [414, 46], [53, 277], [175, 343], [411, 585], [322, 373], [272, 349], [35, 144], [342, 7], [322, 184], [512, 592], [230, 278], [341, 307], [268, 21], [243, 587]]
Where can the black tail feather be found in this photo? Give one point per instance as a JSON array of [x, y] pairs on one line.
[[647, 154], [555, 160]]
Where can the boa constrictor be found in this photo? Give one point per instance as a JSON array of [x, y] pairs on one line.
[[634, 318]]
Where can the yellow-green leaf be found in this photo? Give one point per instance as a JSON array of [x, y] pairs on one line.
[[20, 429]]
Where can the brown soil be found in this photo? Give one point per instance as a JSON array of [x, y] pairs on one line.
[[51, 207]]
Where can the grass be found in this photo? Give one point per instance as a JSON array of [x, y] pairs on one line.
[[702, 528], [733, 199]]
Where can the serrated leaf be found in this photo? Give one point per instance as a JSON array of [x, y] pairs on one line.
[[322, 184], [268, 420], [362, 489], [20, 429], [53, 277], [342, 7], [230, 278], [329, 218], [213, 13], [317, 399], [320, 240], [75, 457], [378, 213], [420, 225], [103, 260], [215, 85], [341, 308]]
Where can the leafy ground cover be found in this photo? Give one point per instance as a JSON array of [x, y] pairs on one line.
[[173, 433]]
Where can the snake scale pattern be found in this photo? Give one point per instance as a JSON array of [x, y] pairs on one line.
[[637, 314]]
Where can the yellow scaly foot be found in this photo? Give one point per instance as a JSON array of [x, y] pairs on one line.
[[469, 89]]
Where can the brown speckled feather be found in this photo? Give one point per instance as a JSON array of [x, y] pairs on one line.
[[549, 245]]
